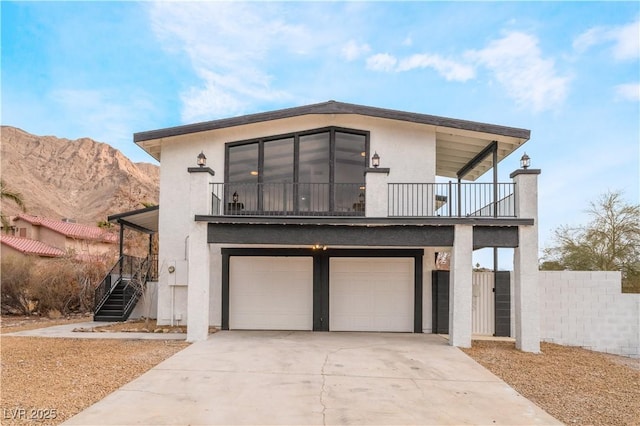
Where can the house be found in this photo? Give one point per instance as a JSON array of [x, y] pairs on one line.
[[329, 217], [18, 246], [85, 241]]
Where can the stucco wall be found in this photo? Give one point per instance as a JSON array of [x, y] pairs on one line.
[[588, 309], [147, 305], [6, 251], [52, 238]]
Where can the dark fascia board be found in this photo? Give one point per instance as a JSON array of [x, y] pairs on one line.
[[138, 228], [115, 217], [333, 107], [365, 221]]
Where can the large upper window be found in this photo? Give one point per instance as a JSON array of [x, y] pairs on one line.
[[309, 172]]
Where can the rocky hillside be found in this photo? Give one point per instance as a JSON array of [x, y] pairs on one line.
[[78, 179]]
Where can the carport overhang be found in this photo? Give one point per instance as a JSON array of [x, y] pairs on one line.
[[142, 220]]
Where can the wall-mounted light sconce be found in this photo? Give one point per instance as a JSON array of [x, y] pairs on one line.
[[525, 161], [319, 247], [375, 160], [202, 160], [235, 197]]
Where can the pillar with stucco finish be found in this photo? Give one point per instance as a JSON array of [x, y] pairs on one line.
[[460, 287], [198, 289], [376, 192], [525, 262]]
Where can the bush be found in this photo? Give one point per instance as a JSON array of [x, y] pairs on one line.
[[17, 279], [62, 285]]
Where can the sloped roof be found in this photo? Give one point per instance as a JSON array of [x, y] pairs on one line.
[[28, 246], [71, 230], [457, 141]]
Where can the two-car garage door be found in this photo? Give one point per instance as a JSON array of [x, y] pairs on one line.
[[365, 294]]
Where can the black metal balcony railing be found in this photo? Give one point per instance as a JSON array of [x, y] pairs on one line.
[[451, 199], [349, 199], [288, 199]]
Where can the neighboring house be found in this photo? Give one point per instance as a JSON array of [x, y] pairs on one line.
[[84, 241], [19, 246], [329, 217]]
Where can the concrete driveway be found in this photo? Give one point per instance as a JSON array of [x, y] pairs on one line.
[[265, 377]]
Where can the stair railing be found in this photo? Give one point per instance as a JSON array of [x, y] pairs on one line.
[[136, 286], [106, 286], [125, 268]]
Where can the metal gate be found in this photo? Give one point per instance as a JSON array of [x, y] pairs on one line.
[[483, 308]]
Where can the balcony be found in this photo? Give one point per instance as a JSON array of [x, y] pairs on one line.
[[451, 200], [288, 199], [454, 200]]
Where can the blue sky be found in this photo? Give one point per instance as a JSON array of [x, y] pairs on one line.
[[569, 71]]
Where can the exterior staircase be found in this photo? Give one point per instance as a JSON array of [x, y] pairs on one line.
[[120, 290]]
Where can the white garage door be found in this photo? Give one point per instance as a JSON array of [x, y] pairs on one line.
[[371, 294], [270, 293]]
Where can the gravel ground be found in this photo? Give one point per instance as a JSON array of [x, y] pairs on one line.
[[47, 381], [9, 324], [574, 385], [67, 375]]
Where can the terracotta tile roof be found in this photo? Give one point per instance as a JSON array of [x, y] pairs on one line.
[[72, 230], [28, 246]]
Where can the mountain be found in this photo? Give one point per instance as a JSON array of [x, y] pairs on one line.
[[77, 179]]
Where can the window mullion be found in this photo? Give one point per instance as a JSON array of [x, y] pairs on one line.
[[296, 171], [332, 161], [259, 186]]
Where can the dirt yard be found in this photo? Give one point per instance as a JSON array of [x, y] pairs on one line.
[[576, 386], [46, 381], [44, 377], [9, 324]]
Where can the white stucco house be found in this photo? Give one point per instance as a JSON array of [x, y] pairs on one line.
[[328, 217]]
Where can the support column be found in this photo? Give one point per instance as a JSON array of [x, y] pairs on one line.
[[199, 258], [525, 262], [377, 194], [460, 287]]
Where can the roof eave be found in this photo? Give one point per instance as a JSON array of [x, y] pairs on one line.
[[331, 107]]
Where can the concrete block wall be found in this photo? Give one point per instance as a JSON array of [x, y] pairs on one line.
[[588, 309]]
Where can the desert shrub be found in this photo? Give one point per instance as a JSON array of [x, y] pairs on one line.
[[52, 286], [67, 285], [55, 287], [16, 281]]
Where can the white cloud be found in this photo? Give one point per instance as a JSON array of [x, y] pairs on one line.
[[625, 40], [628, 92], [381, 62], [229, 46], [352, 50], [588, 38], [517, 63], [450, 70]]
